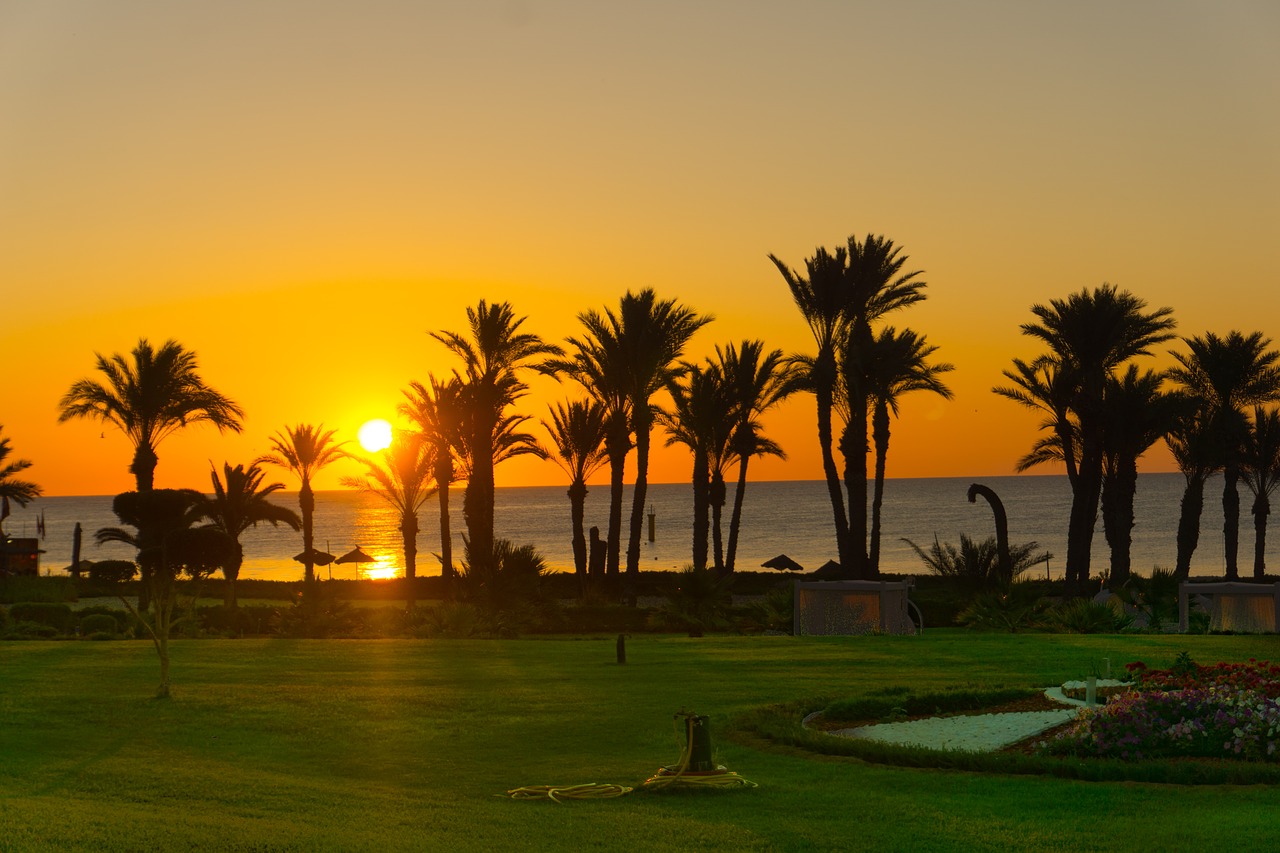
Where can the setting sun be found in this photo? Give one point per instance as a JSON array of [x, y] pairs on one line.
[[375, 435]]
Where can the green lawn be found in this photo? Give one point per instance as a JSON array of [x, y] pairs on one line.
[[410, 745]]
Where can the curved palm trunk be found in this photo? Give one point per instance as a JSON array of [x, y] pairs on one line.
[[1004, 561], [1261, 509], [1084, 510], [577, 511], [409, 538], [1231, 520], [1117, 518], [444, 478], [853, 444], [644, 423], [735, 518], [716, 496], [1192, 505], [880, 435], [834, 489], [307, 503], [617, 481], [701, 507]]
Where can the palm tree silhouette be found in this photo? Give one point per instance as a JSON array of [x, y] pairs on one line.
[[897, 364], [701, 419], [239, 502], [492, 354], [402, 476], [756, 382], [1226, 375], [21, 492], [1091, 334], [1260, 471], [1045, 384], [1194, 445], [578, 431], [437, 413], [305, 450], [149, 397], [1136, 415]]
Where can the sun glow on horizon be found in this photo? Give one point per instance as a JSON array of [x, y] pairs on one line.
[[375, 435]]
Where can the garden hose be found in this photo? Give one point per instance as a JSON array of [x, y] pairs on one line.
[[677, 775]]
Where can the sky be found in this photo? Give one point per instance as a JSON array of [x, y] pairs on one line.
[[300, 192]]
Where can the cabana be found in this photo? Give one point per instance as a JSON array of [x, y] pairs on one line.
[[824, 608], [1246, 608]]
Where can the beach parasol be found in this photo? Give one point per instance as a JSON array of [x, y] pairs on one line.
[[355, 555], [318, 558], [830, 570], [783, 563]]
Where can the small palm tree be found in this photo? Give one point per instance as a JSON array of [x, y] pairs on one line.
[[578, 431], [1226, 375], [897, 364], [1260, 470], [1047, 385], [21, 492], [437, 412], [1195, 447], [305, 450], [978, 563], [148, 397], [240, 502], [402, 476]]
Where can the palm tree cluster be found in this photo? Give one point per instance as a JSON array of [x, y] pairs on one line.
[[1102, 412], [858, 373], [12, 488]]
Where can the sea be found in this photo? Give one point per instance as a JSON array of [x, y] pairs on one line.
[[787, 517]]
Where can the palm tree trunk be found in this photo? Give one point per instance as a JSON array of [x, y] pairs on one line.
[[1120, 526], [1084, 511], [735, 518], [617, 474], [444, 478], [307, 503], [231, 573], [880, 435], [834, 490], [143, 467], [409, 538], [577, 511], [643, 422], [1261, 509], [1231, 520], [717, 498], [853, 444], [701, 505], [1192, 505]]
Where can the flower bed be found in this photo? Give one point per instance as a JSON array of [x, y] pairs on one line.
[[1104, 689], [1220, 711]]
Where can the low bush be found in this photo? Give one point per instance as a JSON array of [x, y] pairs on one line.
[[33, 588], [60, 617], [99, 623], [112, 571]]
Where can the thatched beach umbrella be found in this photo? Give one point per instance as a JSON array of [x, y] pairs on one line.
[[783, 563], [355, 555], [318, 558], [830, 570]]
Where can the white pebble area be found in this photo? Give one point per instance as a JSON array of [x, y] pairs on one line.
[[973, 733]]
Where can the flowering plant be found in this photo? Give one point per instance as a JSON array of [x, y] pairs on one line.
[[1223, 711]]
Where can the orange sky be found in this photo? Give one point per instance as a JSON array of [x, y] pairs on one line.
[[299, 192]]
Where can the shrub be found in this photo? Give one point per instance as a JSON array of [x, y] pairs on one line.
[[1013, 610], [113, 571], [99, 623], [123, 618], [1082, 616], [700, 603], [30, 631], [977, 563], [20, 588], [775, 612], [452, 619], [59, 617]]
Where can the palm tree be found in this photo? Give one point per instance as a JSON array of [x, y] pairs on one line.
[[21, 492], [897, 364], [402, 475], [149, 398], [239, 502], [1226, 375], [1047, 385], [1260, 470], [492, 354], [877, 286], [437, 413], [701, 419], [756, 381], [1136, 415], [822, 297], [597, 361], [1090, 334], [305, 450], [653, 335], [1194, 446], [578, 431]]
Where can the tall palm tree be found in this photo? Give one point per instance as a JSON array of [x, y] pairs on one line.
[[1260, 470], [597, 361], [700, 419], [21, 492], [578, 431], [239, 502], [897, 364], [654, 333], [1194, 445], [822, 296], [1226, 375], [402, 476], [1091, 334], [1136, 415], [492, 352], [305, 450], [149, 397], [437, 413], [877, 286], [756, 381], [1047, 385]]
